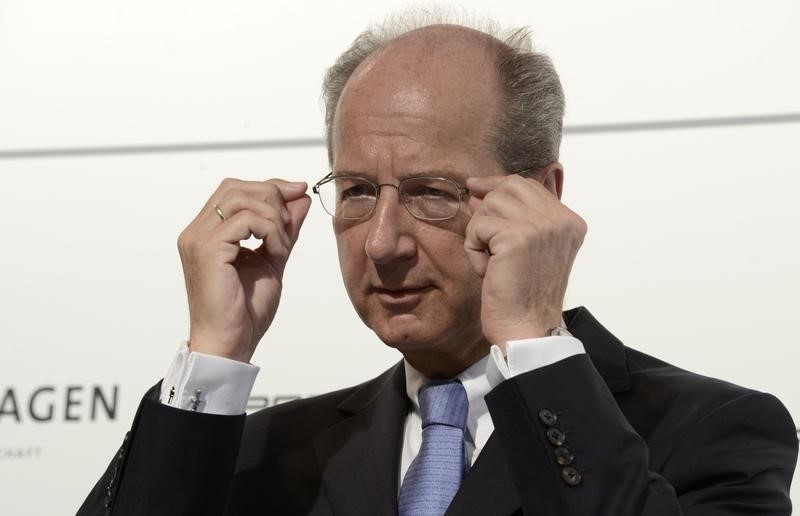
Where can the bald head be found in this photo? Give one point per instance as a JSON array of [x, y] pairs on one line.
[[491, 74], [446, 72]]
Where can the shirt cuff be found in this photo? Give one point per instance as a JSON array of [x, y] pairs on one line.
[[208, 383], [528, 354]]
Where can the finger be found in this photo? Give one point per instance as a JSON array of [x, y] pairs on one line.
[[275, 245], [481, 185], [478, 240], [480, 231], [279, 237], [290, 190], [474, 204], [245, 224], [500, 203], [272, 188], [479, 261], [237, 201], [298, 210], [516, 198], [514, 183], [279, 192]]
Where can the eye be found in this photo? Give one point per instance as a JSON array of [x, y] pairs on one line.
[[430, 190], [433, 192], [354, 190]]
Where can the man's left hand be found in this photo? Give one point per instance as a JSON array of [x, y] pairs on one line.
[[522, 241]]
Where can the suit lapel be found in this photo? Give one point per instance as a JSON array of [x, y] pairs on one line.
[[360, 457], [488, 489]]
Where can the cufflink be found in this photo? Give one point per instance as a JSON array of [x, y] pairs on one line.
[[195, 400], [559, 331]]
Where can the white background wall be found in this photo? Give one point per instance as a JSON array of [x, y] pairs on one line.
[[691, 253]]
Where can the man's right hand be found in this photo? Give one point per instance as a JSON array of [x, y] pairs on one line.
[[234, 291]]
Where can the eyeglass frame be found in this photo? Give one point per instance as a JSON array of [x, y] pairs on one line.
[[463, 191]]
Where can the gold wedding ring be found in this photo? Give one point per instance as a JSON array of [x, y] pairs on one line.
[[219, 212]]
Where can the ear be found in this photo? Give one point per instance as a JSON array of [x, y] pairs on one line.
[[552, 177]]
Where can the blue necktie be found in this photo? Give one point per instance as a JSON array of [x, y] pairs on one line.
[[435, 474]]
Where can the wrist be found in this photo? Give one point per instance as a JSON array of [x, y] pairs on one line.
[[211, 346], [528, 332], [522, 331]]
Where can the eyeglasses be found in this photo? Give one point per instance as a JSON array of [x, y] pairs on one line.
[[425, 197]]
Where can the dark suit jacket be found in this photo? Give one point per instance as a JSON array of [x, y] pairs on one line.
[[643, 436]]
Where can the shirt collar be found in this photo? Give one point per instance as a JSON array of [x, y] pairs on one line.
[[475, 383]]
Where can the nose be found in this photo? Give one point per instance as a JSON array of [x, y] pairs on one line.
[[389, 238]]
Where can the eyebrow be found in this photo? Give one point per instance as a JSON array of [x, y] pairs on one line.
[[449, 174]]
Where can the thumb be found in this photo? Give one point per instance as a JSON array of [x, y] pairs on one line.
[[479, 258], [480, 186], [298, 210], [290, 190]]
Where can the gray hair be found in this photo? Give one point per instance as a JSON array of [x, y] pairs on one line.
[[527, 134]]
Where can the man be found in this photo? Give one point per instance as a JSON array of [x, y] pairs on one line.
[[455, 249]]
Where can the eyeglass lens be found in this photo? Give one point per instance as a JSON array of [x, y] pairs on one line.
[[427, 198]]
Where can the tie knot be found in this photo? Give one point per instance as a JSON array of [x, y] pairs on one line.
[[443, 403]]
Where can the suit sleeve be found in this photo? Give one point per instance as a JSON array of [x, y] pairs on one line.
[[573, 452], [172, 462]]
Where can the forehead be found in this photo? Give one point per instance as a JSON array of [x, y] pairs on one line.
[[427, 98]]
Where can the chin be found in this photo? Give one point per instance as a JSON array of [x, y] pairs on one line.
[[404, 333]]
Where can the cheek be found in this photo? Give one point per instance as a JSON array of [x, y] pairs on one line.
[[445, 251], [350, 246]]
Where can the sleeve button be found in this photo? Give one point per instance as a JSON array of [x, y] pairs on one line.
[[556, 437], [563, 456], [571, 476], [548, 417]]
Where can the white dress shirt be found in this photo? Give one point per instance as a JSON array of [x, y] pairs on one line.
[[216, 385], [478, 379]]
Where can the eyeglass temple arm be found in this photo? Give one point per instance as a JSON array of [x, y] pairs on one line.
[[325, 179]]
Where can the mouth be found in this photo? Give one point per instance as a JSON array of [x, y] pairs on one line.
[[401, 295]]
